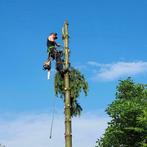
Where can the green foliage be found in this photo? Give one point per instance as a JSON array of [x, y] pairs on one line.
[[128, 126], [77, 85]]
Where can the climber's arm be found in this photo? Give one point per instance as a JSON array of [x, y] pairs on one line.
[[57, 44]]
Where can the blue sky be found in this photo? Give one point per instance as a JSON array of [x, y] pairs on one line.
[[108, 42]]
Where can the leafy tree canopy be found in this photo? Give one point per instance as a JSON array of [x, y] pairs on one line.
[[128, 126]]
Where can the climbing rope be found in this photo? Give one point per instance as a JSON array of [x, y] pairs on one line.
[[52, 120]]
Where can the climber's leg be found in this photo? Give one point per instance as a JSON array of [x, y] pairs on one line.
[[47, 64], [59, 63], [53, 53]]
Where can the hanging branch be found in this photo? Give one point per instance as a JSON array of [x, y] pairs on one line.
[[78, 84]]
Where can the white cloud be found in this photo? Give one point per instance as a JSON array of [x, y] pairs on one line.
[[93, 63], [117, 70], [33, 131], [96, 64]]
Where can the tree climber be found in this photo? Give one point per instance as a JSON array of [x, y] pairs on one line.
[[53, 53]]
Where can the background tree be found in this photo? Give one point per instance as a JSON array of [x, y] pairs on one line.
[[78, 84], [128, 126]]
